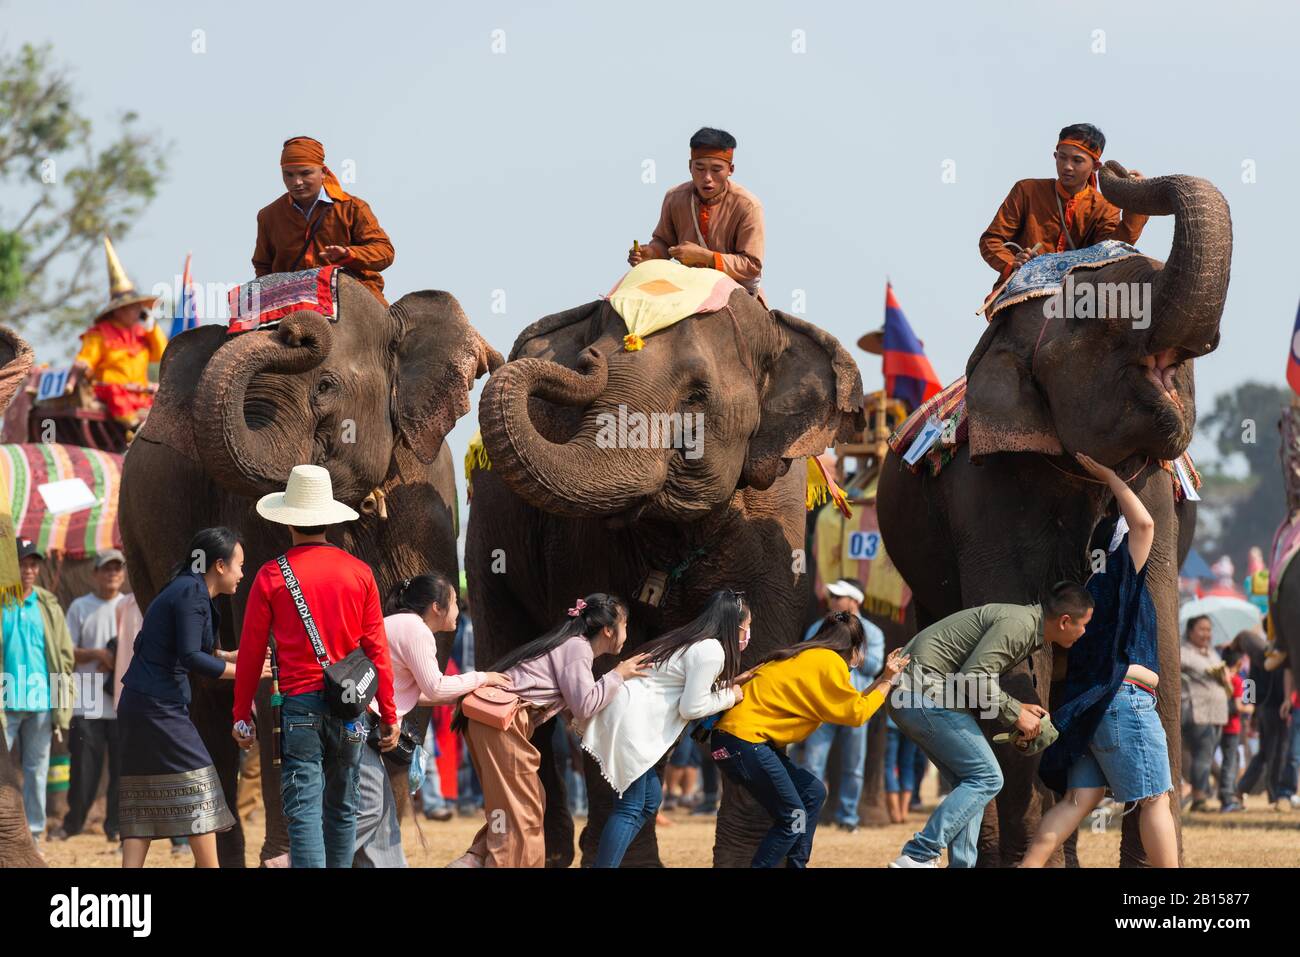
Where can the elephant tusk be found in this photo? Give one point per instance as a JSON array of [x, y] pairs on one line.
[[376, 503]]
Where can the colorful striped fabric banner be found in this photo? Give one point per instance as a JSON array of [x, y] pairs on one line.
[[80, 534]]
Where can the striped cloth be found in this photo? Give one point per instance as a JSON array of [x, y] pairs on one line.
[[268, 299], [81, 534], [949, 408]]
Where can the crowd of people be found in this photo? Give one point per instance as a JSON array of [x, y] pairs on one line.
[[1228, 692]]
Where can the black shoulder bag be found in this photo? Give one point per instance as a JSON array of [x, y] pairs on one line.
[[350, 684]]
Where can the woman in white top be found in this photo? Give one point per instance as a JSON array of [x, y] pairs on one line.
[[418, 608], [692, 673]]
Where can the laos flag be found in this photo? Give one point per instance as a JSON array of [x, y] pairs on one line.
[[908, 374], [1293, 360], [187, 316]]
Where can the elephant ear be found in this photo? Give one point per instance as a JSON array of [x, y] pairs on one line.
[[171, 418], [561, 336], [1005, 410], [811, 398], [16, 359], [439, 356]]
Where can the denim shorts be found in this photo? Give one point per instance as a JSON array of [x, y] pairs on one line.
[[1128, 752]]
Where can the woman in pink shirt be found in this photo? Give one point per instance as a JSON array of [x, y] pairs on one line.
[[417, 609], [551, 675]]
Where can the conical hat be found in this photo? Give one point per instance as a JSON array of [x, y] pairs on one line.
[[121, 291]]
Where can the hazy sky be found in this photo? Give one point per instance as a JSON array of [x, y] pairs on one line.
[[513, 161]]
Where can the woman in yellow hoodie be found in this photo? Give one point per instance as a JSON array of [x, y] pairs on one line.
[[792, 692]]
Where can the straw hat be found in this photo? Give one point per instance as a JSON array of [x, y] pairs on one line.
[[307, 501], [873, 342], [121, 291]]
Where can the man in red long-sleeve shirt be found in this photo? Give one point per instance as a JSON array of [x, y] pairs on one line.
[[321, 753]]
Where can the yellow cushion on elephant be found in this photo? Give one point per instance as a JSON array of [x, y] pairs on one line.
[[657, 293]]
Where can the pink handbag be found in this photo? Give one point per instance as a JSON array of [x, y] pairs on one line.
[[494, 707]]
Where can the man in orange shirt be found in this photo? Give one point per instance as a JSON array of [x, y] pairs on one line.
[[710, 221], [315, 223], [1053, 215]]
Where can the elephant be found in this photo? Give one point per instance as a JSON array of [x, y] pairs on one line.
[[1004, 520], [561, 513], [370, 397], [16, 846]]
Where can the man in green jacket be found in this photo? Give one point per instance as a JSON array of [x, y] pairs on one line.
[[955, 667], [36, 649]]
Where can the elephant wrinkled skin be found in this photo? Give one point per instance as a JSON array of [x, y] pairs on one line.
[[369, 397], [1004, 528]]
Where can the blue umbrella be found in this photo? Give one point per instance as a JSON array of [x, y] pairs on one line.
[[1195, 567]]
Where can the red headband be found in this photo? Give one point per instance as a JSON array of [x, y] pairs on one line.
[[706, 152]]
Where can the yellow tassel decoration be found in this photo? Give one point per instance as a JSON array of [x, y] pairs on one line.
[[820, 484], [633, 343], [476, 457]]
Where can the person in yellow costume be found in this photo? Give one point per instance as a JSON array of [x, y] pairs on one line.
[[118, 347]]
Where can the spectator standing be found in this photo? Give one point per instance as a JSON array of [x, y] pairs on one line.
[[37, 653], [92, 623], [321, 755], [1230, 742], [1206, 689]]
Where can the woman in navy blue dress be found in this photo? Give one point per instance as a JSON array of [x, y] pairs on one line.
[[169, 787]]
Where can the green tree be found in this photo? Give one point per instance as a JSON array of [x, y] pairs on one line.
[[67, 194], [1246, 509]]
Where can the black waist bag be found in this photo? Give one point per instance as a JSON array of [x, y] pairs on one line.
[[350, 684]]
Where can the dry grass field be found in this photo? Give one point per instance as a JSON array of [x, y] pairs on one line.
[[1259, 837]]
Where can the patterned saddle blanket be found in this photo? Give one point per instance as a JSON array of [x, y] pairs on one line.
[[1045, 275], [948, 409], [268, 299]]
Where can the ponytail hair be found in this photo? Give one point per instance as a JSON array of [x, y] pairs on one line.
[[587, 619], [841, 632], [597, 611], [417, 594]]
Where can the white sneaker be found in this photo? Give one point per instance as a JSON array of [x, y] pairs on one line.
[[905, 861]]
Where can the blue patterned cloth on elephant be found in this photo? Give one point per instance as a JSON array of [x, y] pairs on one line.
[[1044, 275]]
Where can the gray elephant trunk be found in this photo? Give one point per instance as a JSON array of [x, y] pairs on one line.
[[254, 461], [1189, 293], [581, 477]]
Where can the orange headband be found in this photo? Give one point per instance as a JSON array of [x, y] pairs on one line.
[[1095, 154], [305, 151], [705, 152], [302, 151]]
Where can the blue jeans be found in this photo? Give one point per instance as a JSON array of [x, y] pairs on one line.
[[319, 783], [953, 741], [792, 796], [31, 729], [633, 811], [900, 762], [853, 758], [1128, 752]]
